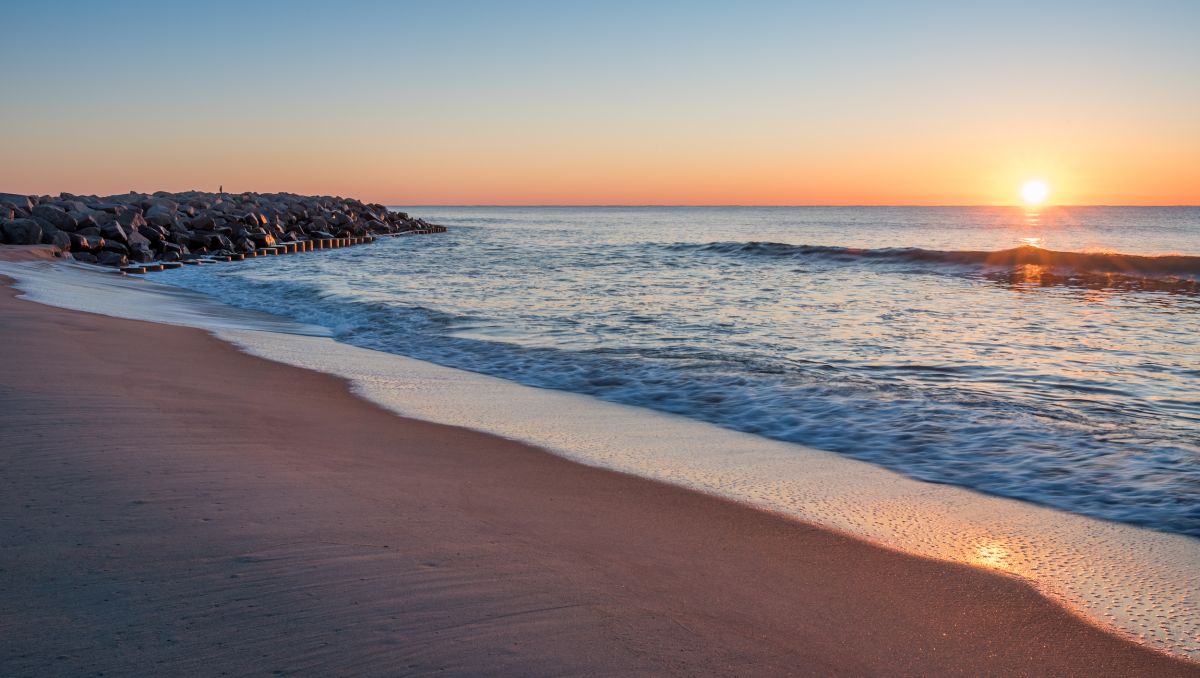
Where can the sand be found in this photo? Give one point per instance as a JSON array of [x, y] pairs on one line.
[[169, 505]]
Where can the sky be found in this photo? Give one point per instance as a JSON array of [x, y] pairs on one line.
[[778, 103]]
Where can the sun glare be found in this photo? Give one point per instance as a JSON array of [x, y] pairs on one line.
[[1035, 192]]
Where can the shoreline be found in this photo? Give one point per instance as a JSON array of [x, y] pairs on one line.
[[1129, 581], [613, 535]]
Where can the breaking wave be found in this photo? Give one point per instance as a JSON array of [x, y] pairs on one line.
[[1133, 265]]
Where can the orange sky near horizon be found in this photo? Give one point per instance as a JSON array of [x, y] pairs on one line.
[[397, 174]]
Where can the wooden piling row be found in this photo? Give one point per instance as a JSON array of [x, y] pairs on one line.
[[273, 250]]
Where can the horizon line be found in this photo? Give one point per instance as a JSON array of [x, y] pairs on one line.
[[1030, 207]]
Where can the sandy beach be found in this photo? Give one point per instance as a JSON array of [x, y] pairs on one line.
[[222, 514]]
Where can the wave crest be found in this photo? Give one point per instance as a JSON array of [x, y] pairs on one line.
[[1134, 265]]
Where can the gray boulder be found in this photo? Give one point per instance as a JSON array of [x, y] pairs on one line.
[[85, 257], [54, 216], [140, 248], [60, 239], [21, 201], [141, 252], [163, 199], [71, 205], [108, 258], [53, 236], [131, 218], [173, 250], [204, 222], [114, 231], [159, 215], [86, 243], [263, 239], [151, 233], [21, 232], [83, 221], [136, 238]]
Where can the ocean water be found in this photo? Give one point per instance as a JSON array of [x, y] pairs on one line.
[[1049, 356]]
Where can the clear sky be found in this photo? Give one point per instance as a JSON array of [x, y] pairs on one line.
[[606, 102]]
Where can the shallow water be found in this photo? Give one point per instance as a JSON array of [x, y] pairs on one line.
[[930, 341]]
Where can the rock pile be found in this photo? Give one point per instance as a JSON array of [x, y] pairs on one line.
[[165, 227]]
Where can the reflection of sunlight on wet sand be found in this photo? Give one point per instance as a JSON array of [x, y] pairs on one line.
[[992, 553]]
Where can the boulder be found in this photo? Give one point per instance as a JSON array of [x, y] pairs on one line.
[[198, 238], [55, 216], [21, 232], [140, 248], [204, 222], [16, 200], [151, 233], [70, 204], [114, 246], [86, 243], [141, 252], [108, 258], [84, 257], [114, 231], [53, 236], [60, 239], [131, 217], [159, 215], [163, 200], [86, 221], [170, 249]]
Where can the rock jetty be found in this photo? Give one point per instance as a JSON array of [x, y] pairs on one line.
[[139, 230]]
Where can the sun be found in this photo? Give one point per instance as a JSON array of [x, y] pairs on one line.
[[1035, 192]]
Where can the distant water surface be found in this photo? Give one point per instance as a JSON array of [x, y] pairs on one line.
[[1050, 356]]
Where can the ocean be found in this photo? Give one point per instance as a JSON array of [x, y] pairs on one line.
[[1050, 356]]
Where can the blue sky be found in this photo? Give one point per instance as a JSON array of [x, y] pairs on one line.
[[543, 99]]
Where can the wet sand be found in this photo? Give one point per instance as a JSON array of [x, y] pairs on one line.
[[169, 505]]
